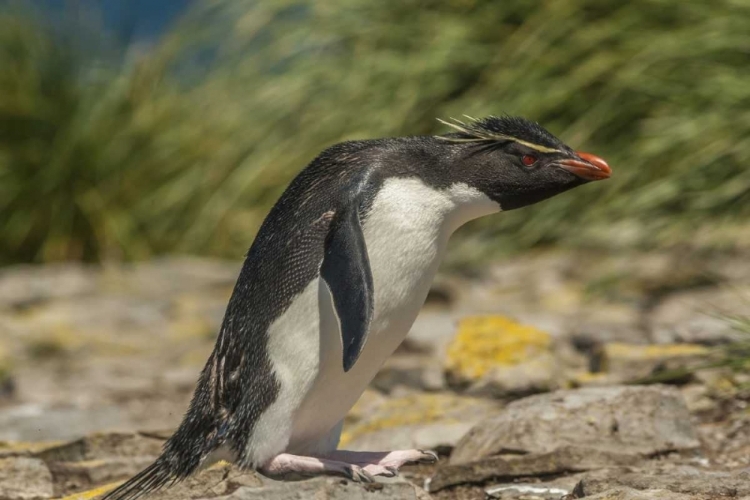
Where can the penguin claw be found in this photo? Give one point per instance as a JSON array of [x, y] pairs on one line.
[[359, 475], [429, 457], [369, 477]]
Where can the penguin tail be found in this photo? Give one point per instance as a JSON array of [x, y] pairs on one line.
[[154, 477], [195, 439], [183, 454]]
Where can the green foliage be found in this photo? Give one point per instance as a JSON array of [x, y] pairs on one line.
[[184, 148], [736, 355]]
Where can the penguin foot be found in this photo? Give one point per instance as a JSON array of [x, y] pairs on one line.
[[381, 470], [288, 467], [383, 463]]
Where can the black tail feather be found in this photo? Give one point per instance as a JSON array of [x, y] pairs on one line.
[[151, 479], [197, 436]]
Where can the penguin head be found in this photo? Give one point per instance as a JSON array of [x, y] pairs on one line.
[[516, 162]]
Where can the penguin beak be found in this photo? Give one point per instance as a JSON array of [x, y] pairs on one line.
[[587, 166]]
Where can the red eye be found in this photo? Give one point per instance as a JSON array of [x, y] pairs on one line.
[[528, 160]]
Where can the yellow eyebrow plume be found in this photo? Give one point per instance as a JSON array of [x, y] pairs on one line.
[[476, 134]]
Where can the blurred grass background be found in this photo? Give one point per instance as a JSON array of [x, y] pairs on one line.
[[113, 150]]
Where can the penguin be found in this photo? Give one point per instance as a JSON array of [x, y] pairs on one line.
[[331, 285]]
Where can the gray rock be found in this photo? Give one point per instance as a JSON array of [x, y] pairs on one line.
[[438, 436], [23, 478], [104, 445], [619, 420], [678, 479], [72, 476], [551, 489], [607, 323], [171, 275], [629, 362], [25, 448], [100, 314], [34, 422], [631, 494], [227, 482], [423, 421], [541, 373], [24, 285], [221, 481], [697, 316], [563, 460], [416, 371], [98, 459], [522, 491], [432, 330], [329, 489]]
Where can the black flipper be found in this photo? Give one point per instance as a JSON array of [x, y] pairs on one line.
[[346, 271]]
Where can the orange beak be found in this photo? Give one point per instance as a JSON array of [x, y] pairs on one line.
[[589, 167]]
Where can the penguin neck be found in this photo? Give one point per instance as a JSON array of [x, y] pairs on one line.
[[415, 205], [467, 204]]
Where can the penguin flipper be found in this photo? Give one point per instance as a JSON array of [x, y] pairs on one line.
[[346, 271]]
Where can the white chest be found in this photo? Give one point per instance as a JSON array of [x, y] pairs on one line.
[[406, 233]]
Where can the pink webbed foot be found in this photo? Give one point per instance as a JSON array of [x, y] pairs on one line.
[[294, 467], [383, 463]]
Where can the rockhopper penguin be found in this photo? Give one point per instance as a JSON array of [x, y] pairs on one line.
[[332, 284]]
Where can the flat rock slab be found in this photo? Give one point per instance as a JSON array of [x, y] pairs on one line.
[[631, 494], [226, 482], [221, 481], [24, 478], [26, 448], [618, 420], [677, 479], [564, 460], [543, 490], [73, 476], [523, 491], [103, 445], [329, 489]]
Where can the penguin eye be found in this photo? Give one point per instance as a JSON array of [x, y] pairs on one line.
[[528, 160]]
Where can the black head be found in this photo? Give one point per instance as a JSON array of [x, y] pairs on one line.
[[516, 162]]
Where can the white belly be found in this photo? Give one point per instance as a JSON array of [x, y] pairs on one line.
[[334, 392], [406, 234]]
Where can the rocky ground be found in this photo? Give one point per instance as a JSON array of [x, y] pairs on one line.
[[533, 379]]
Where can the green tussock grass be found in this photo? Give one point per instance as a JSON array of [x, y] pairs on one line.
[[736, 355], [183, 147]]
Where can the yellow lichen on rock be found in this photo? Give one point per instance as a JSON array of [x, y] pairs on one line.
[[486, 342], [587, 379], [617, 350], [26, 448], [94, 493]]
